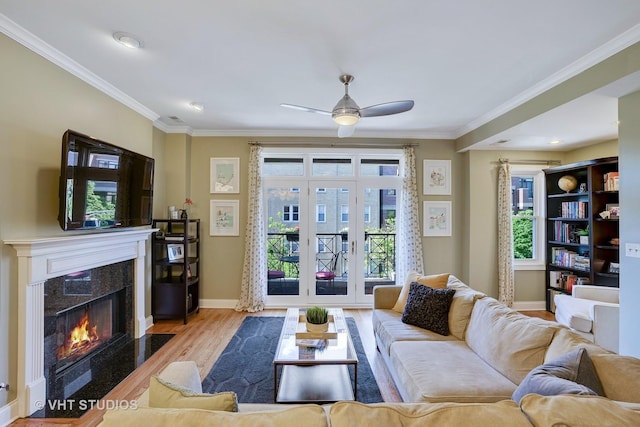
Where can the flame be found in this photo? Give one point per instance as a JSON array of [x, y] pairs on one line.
[[81, 336]]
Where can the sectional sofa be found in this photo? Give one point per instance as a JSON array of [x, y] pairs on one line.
[[465, 378], [488, 353]]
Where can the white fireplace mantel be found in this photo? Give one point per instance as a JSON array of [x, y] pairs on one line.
[[46, 258]]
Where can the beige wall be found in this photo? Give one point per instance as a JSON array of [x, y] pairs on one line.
[[222, 264], [39, 102], [597, 151]]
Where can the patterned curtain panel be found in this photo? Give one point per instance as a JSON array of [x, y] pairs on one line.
[[506, 284], [254, 274], [409, 239]]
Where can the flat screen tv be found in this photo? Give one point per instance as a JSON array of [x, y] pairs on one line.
[[103, 185]]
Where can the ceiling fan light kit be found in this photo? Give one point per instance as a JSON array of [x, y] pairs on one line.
[[346, 112]]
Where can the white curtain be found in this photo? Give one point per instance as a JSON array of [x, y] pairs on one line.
[[408, 237], [506, 283], [253, 293]]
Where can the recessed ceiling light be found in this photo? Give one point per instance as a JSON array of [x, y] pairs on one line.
[[127, 39], [555, 141], [198, 106]]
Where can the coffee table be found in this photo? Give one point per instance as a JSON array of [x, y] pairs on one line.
[[314, 374]]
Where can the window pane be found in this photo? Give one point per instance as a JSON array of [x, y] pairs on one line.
[[282, 167], [332, 167], [523, 219], [379, 167]]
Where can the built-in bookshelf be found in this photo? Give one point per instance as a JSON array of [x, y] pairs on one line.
[[582, 226]]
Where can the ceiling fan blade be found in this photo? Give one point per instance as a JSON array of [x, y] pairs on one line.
[[346, 131], [386, 109], [307, 109]]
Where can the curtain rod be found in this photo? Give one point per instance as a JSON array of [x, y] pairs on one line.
[[363, 144], [529, 162]]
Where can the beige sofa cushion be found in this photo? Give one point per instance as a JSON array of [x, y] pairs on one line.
[[619, 376], [433, 281], [163, 394], [506, 413], [389, 328], [445, 371], [461, 306], [565, 340], [571, 410], [183, 373], [510, 342], [313, 416]]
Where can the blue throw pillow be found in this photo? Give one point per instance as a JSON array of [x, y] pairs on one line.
[[428, 308], [572, 373]]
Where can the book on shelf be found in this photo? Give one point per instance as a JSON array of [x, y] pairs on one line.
[[566, 280], [611, 181]]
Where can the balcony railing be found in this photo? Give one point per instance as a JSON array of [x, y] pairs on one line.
[[332, 250]]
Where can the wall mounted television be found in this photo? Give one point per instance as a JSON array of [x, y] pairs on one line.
[[103, 185]]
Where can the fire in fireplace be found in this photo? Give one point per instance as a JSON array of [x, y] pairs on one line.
[[83, 330]]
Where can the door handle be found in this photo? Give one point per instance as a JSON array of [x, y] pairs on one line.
[[353, 247]]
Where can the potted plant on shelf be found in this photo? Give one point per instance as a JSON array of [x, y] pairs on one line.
[[317, 319], [584, 236]]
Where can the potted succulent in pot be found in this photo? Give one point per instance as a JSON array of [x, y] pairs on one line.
[[317, 319]]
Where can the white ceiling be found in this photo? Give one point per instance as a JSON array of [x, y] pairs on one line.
[[464, 62]]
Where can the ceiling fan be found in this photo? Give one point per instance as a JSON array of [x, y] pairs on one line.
[[346, 113]]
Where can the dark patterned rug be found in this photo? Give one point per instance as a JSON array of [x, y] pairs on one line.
[[246, 364]]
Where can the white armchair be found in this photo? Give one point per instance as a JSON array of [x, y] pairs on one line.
[[592, 311]]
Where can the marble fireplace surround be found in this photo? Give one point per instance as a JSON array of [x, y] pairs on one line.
[[46, 258]]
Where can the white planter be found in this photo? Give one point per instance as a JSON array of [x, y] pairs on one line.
[[584, 240]]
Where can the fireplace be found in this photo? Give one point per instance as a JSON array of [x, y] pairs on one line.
[[85, 313], [65, 261], [86, 310]]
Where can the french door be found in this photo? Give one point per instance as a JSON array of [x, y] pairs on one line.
[[330, 236]]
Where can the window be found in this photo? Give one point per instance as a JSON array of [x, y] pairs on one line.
[[291, 213], [321, 213], [527, 192], [344, 213], [367, 214]]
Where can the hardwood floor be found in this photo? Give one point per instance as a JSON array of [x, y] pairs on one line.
[[203, 339]]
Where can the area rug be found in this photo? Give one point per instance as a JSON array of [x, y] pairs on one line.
[[246, 364]]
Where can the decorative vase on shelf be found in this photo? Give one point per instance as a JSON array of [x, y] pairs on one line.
[[567, 183], [184, 214]]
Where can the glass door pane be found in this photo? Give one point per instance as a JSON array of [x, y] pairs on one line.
[[378, 257], [331, 241], [283, 206]]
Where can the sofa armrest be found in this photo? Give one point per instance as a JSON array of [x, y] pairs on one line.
[[606, 326], [597, 293], [385, 297]]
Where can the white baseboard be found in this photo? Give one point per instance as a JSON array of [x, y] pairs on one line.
[[148, 322], [8, 413], [218, 303], [529, 305]]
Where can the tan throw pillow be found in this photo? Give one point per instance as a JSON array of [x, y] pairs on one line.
[[163, 394], [436, 281]]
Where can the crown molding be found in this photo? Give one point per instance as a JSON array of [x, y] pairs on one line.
[[37, 45], [615, 45]]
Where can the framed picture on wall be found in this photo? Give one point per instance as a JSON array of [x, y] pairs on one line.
[[437, 177], [436, 219], [224, 218], [225, 175]]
